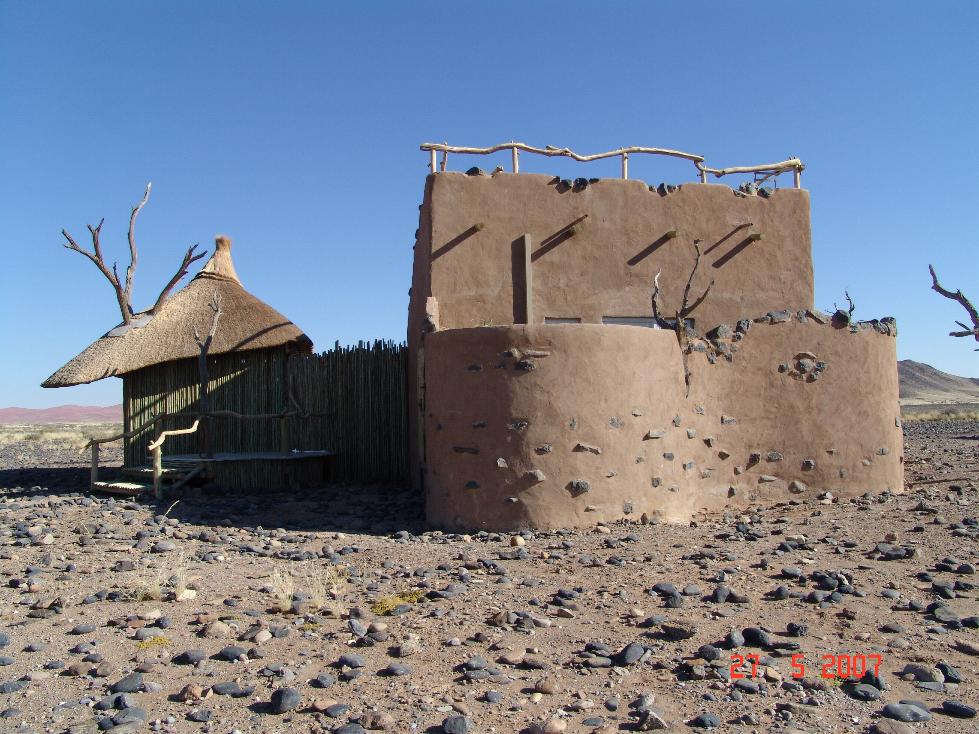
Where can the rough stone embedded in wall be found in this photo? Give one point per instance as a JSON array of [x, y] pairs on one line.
[[578, 487]]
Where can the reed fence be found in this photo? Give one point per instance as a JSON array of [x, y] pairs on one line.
[[363, 392]]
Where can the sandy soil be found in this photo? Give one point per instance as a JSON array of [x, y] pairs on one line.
[[484, 633]]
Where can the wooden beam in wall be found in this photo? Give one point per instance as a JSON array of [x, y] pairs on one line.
[[523, 281]]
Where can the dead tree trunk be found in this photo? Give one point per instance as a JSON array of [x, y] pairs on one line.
[[959, 298], [124, 292], [680, 316], [204, 345]]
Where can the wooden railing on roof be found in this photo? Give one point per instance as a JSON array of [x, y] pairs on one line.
[[766, 170]]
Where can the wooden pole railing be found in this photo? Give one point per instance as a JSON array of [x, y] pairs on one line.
[[791, 164], [160, 435], [156, 449]]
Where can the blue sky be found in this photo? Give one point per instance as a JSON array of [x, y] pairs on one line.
[[294, 128]]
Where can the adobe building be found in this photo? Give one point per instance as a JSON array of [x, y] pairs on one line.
[[540, 397]]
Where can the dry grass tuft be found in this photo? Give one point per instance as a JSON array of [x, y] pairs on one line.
[[322, 587], [152, 584], [283, 588]]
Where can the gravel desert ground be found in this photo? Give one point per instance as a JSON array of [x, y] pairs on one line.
[[336, 610]]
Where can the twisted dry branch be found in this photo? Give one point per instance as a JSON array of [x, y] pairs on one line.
[[959, 297], [124, 288]]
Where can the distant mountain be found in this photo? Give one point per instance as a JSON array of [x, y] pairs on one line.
[[922, 383], [63, 414]]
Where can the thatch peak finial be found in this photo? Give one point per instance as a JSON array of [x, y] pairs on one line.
[[220, 264]]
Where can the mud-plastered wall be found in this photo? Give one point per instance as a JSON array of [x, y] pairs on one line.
[[566, 425], [595, 250]]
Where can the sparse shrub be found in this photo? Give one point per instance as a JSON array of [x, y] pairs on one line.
[[385, 605], [153, 643]]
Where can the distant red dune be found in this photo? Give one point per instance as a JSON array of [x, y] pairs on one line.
[[63, 414]]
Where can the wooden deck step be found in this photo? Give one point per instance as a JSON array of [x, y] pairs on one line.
[[126, 488], [146, 472]]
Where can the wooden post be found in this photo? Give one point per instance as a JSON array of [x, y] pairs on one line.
[[625, 165], [434, 160], [158, 471], [95, 463], [703, 176], [797, 178], [283, 435], [516, 160], [526, 244]]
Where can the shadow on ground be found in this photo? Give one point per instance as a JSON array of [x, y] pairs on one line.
[[348, 508]]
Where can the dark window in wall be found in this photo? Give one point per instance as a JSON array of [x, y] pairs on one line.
[[561, 320], [646, 321]]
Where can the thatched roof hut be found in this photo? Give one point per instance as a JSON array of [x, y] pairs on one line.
[[157, 356], [246, 324]]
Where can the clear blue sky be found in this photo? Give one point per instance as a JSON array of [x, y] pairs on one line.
[[294, 128]]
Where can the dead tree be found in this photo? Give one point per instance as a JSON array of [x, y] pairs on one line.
[[844, 317], [960, 298], [204, 345], [679, 322], [124, 288]]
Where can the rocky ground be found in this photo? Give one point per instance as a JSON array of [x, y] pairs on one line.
[[336, 611]]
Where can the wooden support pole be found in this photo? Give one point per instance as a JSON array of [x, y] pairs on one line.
[[703, 176], [434, 161], [516, 160], [625, 165], [283, 435], [95, 463], [797, 178], [158, 471]]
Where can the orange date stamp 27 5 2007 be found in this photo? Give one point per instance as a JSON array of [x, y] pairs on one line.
[[833, 666]]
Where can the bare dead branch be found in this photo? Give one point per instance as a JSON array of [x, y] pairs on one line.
[[205, 345], [111, 275], [215, 306], [961, 299], [189, 257], [849, 311], [657, 309], [131, 270], [686, 308]]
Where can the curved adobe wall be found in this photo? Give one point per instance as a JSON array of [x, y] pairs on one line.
[[560, 426], [603, 387], [816, 404]]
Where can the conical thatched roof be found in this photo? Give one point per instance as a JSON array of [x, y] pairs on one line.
[[245, 323]]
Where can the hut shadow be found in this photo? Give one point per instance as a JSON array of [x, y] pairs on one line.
[[371, 509], [44, 480]]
